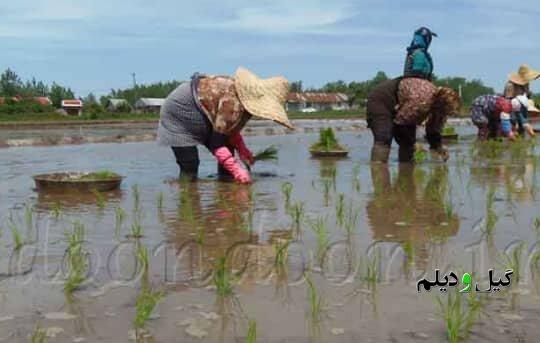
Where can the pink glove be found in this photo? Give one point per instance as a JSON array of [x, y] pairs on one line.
[[237, 142], [227, 160]]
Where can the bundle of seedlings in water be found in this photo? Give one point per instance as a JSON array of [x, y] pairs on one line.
[[136, 227], [460, 313], [328, 145], [268, 154], [99, 175], [76, 258], [449, 133]]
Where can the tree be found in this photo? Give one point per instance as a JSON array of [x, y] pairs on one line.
[[59, 93], [10, 83], [90, 99], [296, 87]]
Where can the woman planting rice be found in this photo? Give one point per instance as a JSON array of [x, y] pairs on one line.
[[396, 107], [211, 111]]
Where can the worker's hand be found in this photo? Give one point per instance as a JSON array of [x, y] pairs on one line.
[[512, 136], [441, 152], [237, 141]]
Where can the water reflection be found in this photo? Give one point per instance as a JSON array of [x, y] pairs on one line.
[[411, 210]]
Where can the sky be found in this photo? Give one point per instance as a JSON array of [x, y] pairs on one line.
[[95, 45]]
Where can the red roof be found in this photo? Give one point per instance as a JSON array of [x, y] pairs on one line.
[[320, 98], [42, 100]]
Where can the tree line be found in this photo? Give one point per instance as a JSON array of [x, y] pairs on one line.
[[12, 85], [357, 92]]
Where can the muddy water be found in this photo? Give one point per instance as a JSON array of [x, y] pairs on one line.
[[399, 222]]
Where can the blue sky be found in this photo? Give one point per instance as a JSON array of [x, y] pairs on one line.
[[94, 45]]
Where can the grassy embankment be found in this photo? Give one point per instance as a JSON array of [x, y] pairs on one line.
[[29, 118]]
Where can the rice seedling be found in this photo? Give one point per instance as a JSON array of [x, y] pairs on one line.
[[120, 217], [321, 235], [340, 209], [100, 199], [199, 236], [160, 199], [252, 332], [357, 186], [370, 270], [39, 335], [327, 188], [491, 215], [28, 218], [459, 315], [296, 212], [137, 230], [18, 240], [268, 154], [100, 175], [537, 225], [351, 219], [56, 210], [286, 189], [419, 156], [281, 248], [222, 278], [316, 302], [136, 197], [145, 304], [76, 258], [449, 209], [513, 261]]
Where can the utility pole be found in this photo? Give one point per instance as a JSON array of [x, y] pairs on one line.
[[460, 91], [134, 80]]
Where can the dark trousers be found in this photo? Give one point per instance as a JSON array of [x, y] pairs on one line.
[[187, 159], [385, 130]]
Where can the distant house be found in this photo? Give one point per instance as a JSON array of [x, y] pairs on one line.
[[312, 101], [149, 105], [117, 105], [4, 100], [72, 107]]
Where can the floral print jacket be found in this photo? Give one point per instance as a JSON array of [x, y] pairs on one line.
[[416, 97], [217, 95]]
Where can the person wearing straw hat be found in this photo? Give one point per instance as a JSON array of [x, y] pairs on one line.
[[520, 115], [211, 111], [518, 83]]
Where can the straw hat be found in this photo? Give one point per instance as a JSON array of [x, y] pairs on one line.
[[263, 98], [524, 75], [532, 107]]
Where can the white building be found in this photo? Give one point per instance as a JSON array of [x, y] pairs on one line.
[[317, 101], [149, 105]]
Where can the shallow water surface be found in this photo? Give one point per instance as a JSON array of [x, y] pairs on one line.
[[362, 234]]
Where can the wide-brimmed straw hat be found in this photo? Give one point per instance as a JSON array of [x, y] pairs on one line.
[[524, 75], [264, 98], [532, 107]]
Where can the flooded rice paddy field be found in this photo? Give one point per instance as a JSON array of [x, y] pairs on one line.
[[313, 251]]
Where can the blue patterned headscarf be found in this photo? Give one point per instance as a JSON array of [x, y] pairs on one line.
[[422, 38]]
